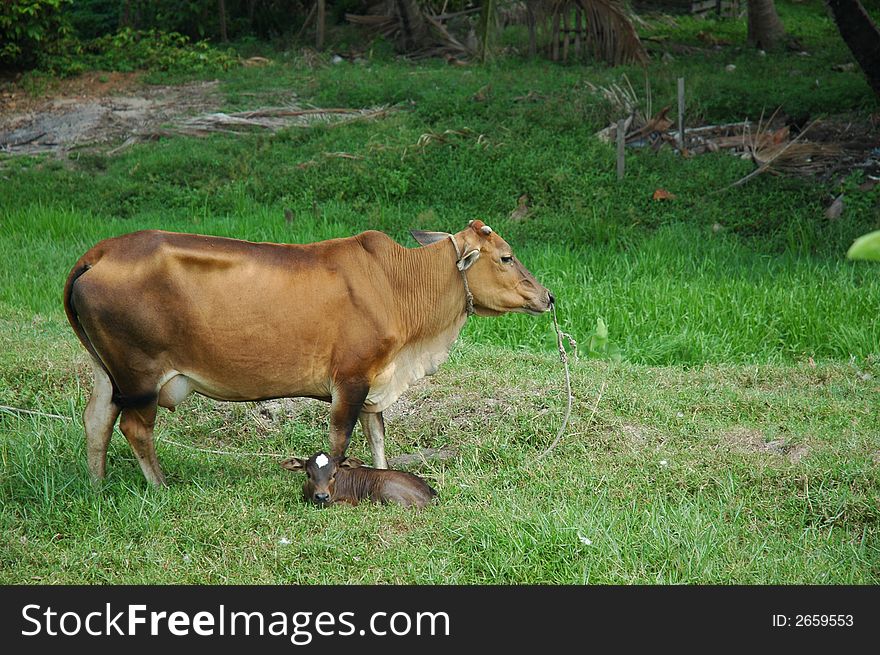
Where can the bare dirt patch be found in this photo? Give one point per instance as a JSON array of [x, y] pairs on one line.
[[748, 441], [95, 109]]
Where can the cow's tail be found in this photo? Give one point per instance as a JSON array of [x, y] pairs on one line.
[[72, 316]]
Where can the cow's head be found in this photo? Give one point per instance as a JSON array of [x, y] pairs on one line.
[[497, 279], [321, 471]]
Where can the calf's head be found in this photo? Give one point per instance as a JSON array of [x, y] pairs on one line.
[[321, 471], [497, 279]]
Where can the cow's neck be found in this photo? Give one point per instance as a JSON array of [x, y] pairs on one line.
[[431, 297], [429, 301]]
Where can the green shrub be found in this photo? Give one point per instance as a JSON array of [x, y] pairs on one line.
[[26, 26], [129, 50]]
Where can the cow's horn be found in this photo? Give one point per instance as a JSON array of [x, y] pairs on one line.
[[486, 230]]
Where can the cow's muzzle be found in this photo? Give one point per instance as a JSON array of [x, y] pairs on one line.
[[545, 304]]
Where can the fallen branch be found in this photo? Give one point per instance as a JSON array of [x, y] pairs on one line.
[[268, 118], [6, 146]]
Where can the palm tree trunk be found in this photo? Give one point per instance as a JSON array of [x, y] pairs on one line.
[[320, 24], [765, 30], [532, 23], [861, 36], [221, 10]]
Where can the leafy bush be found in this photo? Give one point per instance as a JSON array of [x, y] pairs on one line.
[[129, 50], [26, 26]]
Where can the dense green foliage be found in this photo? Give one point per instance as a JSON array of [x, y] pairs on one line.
[[26, 26]]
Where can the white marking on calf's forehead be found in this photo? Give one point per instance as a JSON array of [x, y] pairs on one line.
[[322, 460]]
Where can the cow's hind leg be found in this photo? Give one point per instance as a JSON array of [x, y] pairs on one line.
[[373, 426], [99, 417], [348, 399], [137, 426]]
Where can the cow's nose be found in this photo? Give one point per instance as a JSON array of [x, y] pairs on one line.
[[322, 498], [551, 297]]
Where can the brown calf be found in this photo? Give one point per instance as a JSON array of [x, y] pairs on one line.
[[347, 480]]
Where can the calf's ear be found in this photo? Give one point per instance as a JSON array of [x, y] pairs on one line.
[[294, 464], [350, 463]]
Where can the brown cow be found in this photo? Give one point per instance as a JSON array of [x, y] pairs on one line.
[[346, 480], [351, 321]]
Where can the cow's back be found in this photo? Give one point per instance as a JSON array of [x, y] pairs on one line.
[[243, 320]]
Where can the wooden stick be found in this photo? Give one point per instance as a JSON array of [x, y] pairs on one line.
[[681, 144]]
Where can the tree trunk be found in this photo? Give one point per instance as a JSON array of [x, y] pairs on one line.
[[413, 26], [533, 47], [125, 16], [320, 24], [765, 30], [221, 9], [860, 35]]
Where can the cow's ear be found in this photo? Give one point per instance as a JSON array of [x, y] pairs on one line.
[[350, 463], [468, 260], [427, 238], [294, 464]]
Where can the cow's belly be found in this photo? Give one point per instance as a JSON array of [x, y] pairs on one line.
[[175, 386]]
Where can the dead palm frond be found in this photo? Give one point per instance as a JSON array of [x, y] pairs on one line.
[[611, 33], [417, 31]]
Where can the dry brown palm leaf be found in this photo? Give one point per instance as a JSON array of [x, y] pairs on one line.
[[772, 151], [797, 158], [659, 124], [611, 33], [609, 30], [622, 98]]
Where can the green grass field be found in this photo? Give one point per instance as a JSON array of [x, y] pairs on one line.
[[737, 441]]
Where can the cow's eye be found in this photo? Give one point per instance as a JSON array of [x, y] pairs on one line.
[[508, 259]]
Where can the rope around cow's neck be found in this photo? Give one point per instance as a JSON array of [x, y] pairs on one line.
[[469, 298]]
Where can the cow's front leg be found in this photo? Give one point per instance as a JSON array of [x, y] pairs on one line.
[[345, 407], [374, 427]]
